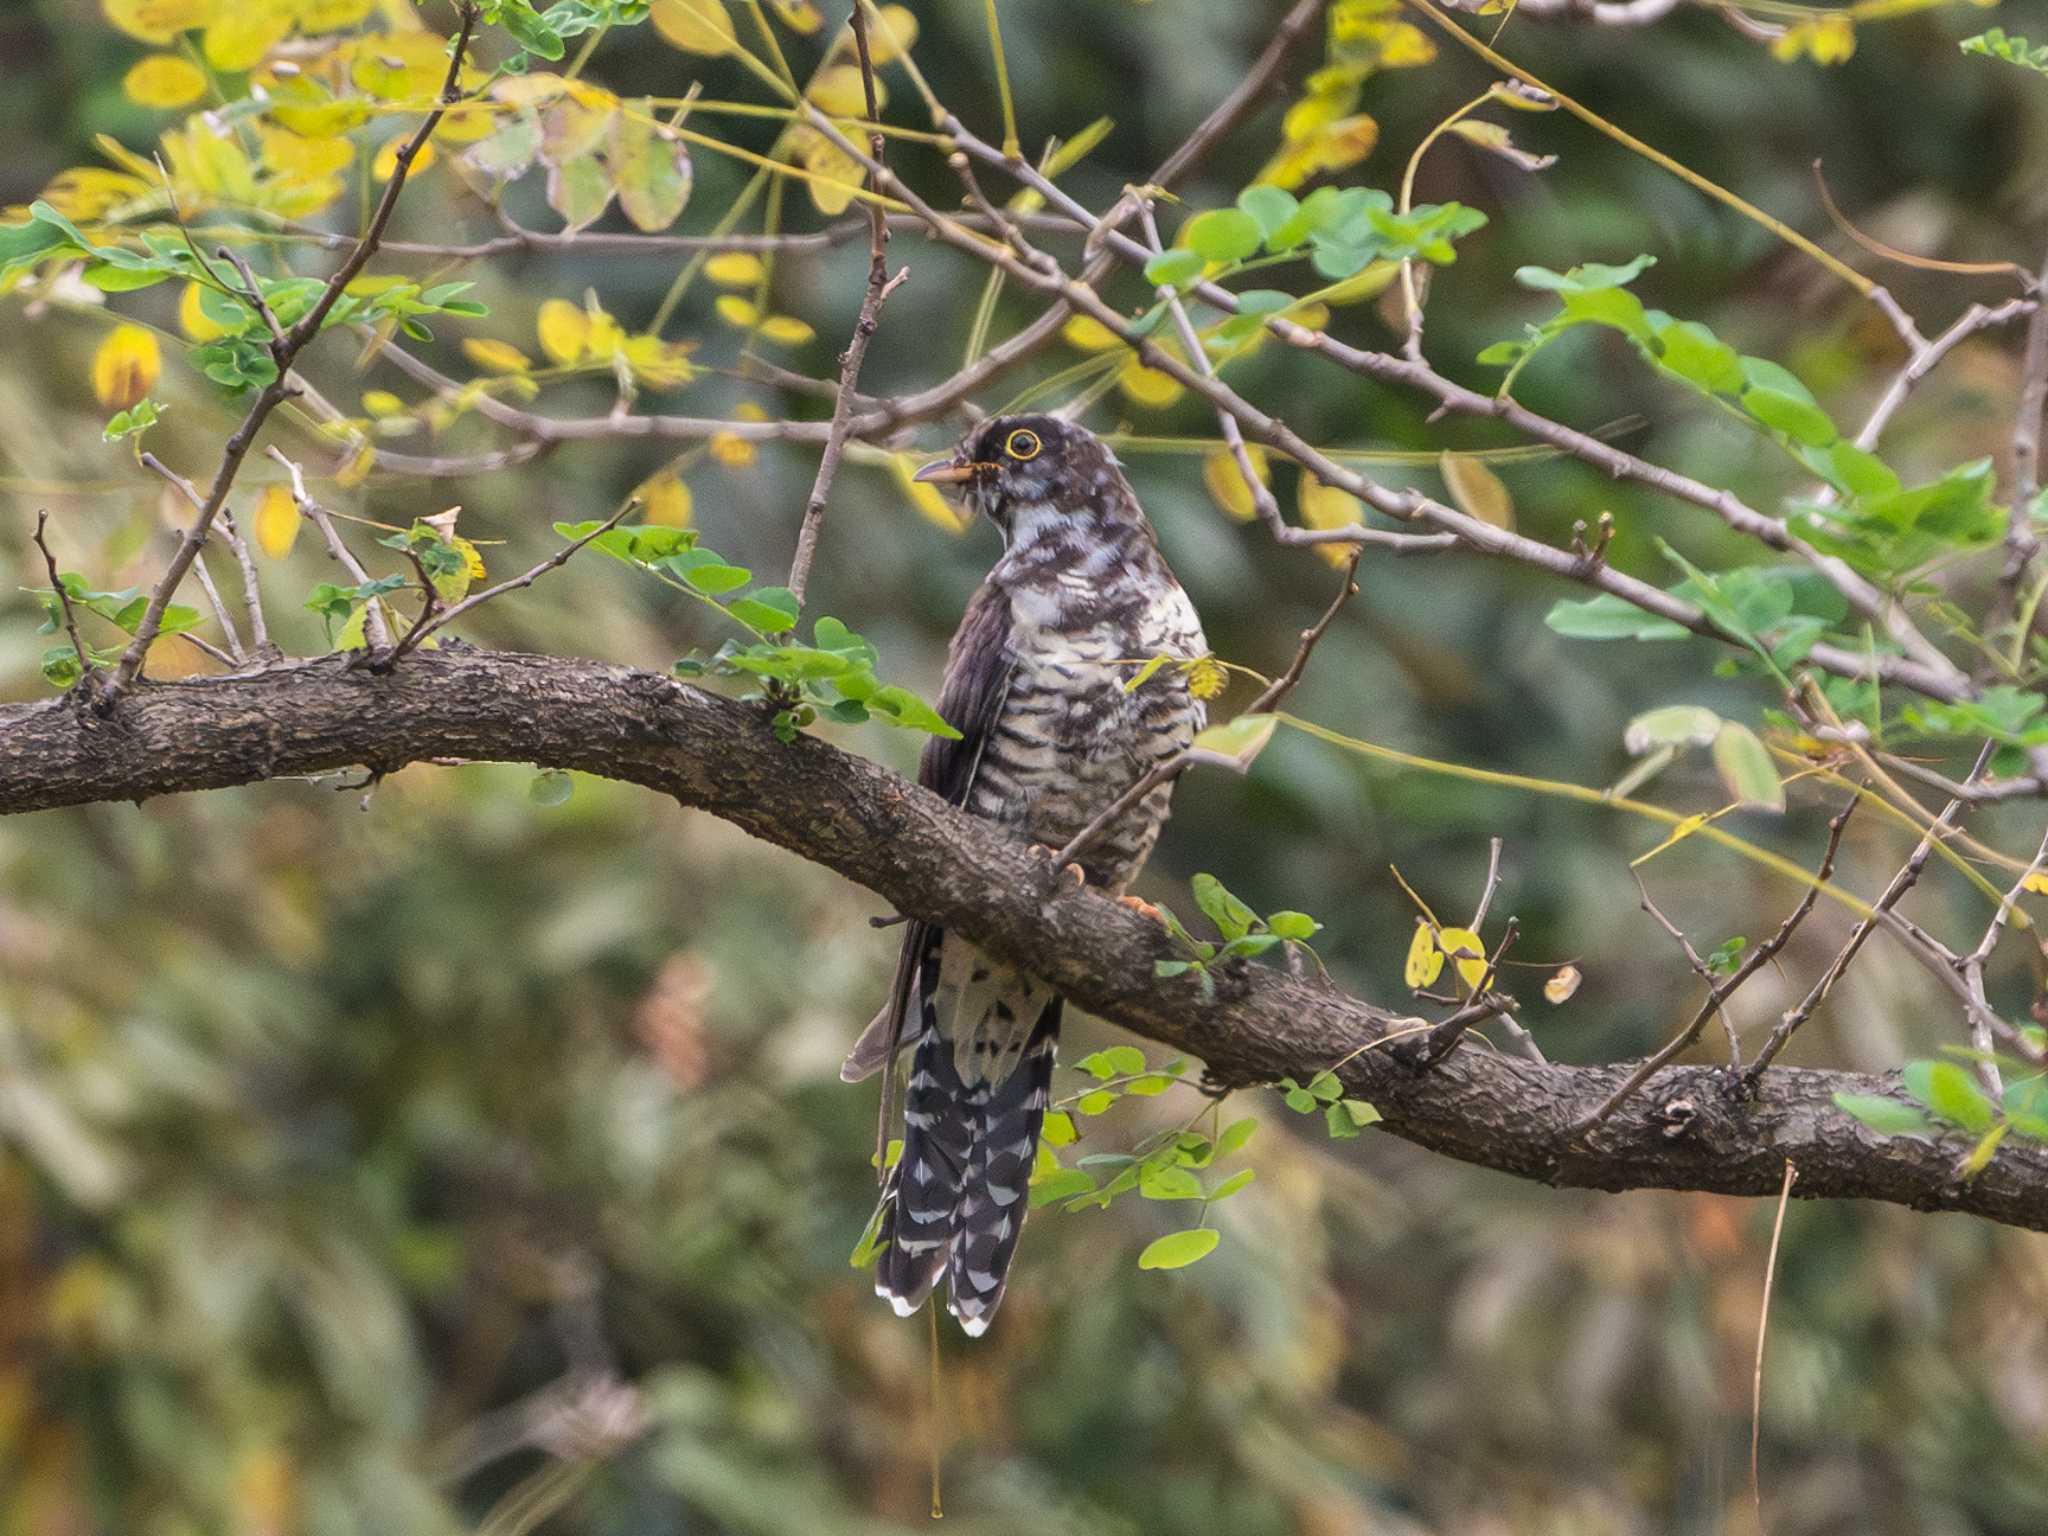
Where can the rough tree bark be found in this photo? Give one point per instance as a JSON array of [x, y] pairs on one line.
[[1683, 1131]]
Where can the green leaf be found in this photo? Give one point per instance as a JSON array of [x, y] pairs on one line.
[[1271, 208], [1950, 1093], [139, 417], [1049, 1188], [1112, 1061], [1233, 919], [1233, 1184], [1242, 739], [1177, 1250], [1298, 926], [766, 610], [1608, 617], [1674, 725], [1325, 1087], [1338, 1122], [551, 788], [1174, 269], [1168, 1183], [1224, 234], [1585, 278], [1361, 1112], [61, 666], [899, 706], [1095, 1103], [1747, 769], [1300, 1100], [1236, 1134], [1058, 1129], [1800, 420], [1888, 1117], [651, 166]]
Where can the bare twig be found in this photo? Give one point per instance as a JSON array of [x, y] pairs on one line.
[[475, 600], [260, 643], [2021, 543], [1894, 892], [63, 592], [880, 286], [190, 492], [284, 349], [1763, 1322], [1973, 970], [376, 632], [1718, 993]]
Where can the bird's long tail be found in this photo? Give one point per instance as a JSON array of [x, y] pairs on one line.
[[956, 1200]]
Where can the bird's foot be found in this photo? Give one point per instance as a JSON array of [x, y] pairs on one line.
[[1071, 877]]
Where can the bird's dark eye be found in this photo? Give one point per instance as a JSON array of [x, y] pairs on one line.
[[1022, 445]]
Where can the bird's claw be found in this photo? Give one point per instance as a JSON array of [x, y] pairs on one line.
[[1143, 908]]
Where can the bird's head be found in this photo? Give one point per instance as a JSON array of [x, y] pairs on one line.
[[1031, 475]]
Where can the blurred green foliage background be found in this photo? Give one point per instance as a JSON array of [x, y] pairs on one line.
[[336, 1127]]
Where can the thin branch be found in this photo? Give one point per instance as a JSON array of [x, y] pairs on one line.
[[85, 663], [1719, 993], [260, 643], [476, 600], [376, 632], [880, 286], [220, 611], [1763, 1322], [1902, 882]]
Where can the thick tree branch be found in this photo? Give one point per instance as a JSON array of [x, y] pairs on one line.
[[1683, 1130]]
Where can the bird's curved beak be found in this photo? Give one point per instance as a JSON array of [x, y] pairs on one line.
[[945, 472]]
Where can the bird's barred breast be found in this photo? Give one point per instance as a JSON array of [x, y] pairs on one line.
[[1070, 738]]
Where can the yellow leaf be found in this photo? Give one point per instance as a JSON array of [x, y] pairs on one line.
[[399, 65], [164, 80], [1679, 834], [786, 330], [1327, 506], [1336, 147], [2037, 882], [1562, 985], [1226, 481], [88, 192], [695, 26], [1467, 953], [125, 367], [244, 32], [564, 330], [665, 501], [892, 32], [930, 505], [1425, 961], [738, 312], [158, 21], [357, 469], [1148, 386], [303, 106], [193, 321], [834, 173], [750, 410], [839, 91], [380, 403], [800, 16], [495, 356], [659, 364], [650, 166], [1089, 334], [467, 123], [276, 521], [1828, 39], [1206, 678], [385, 166], [734, 269], [306, 159], [1477, 490], [733, 451], [604, 338], [1369, 283], [331, 15], [473, 558]]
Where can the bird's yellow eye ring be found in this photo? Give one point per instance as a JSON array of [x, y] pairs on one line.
[[1023, 445]]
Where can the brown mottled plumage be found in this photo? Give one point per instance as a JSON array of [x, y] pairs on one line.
[[1050, 737]]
